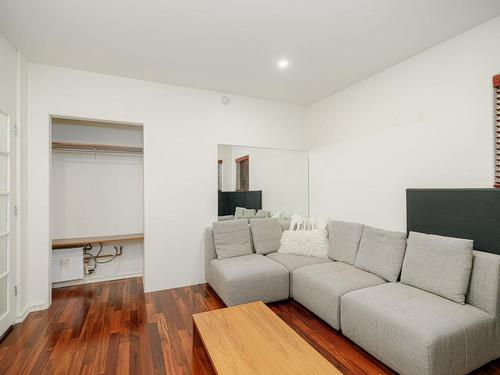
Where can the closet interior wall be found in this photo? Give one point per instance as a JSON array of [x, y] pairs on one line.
[[98, 193]]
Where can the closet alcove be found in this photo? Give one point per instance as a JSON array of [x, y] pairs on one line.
[[97, 201]]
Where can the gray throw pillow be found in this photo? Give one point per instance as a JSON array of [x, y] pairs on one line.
[[232, 238], [344, 240], [266, 234], [381, 252], [239, 211], [438, 264]]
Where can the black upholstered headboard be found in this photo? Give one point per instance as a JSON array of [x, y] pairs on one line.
[[464, 213]]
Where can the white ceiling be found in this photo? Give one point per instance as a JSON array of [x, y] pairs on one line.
[[234, 45]]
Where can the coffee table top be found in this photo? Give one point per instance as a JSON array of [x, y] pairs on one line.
[[251, 339]]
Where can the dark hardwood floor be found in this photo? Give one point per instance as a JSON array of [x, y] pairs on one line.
[[114, 328]]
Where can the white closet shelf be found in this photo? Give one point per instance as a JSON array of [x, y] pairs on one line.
[[70, 146], [68, 243]]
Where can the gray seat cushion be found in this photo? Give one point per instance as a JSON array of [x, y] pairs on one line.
[[266, 234], [232, 238], [292, 262], [344, 240], [248, 278], [438, 264], [416, 332], [319, 287], [381, 252]]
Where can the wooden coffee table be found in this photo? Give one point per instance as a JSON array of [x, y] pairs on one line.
[[251, 339]]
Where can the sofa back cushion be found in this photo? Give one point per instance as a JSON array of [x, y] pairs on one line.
[[239, 211], [263, 213], [381, 252], [232, 238], [344, 238], [266, 235], [438, 264]]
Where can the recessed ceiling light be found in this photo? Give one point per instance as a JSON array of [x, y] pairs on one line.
[[283, 64]]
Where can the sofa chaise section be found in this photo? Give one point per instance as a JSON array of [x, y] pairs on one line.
[[320, 287], [417, 332]]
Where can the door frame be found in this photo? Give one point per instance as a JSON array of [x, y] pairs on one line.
[[12, 222]]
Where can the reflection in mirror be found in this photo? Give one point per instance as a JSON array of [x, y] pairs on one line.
[[258, 182]]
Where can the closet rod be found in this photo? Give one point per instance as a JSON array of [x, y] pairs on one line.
[[93, 148]]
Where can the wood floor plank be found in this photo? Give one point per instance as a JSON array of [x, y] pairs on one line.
[[114, 328]]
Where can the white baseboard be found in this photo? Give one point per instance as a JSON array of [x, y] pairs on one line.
[[31, 307], [95, 279]]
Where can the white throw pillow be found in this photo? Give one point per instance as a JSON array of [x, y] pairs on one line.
[[303, 223], [305, 242]]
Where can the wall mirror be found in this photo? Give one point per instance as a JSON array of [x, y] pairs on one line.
[[262, 182]]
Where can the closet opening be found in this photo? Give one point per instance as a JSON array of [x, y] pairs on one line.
[[97, 201]]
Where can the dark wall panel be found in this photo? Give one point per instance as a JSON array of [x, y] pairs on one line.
[[229, 200], [464, 213]]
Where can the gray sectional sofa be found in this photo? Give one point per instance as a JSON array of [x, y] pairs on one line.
[[422, 305]]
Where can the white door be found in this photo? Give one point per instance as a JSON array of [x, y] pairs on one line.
[[7, 221]]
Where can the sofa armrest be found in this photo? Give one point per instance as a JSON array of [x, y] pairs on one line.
[[484, 285], [210, 253]]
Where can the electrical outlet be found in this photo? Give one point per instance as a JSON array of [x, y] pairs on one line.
[[64, 262]]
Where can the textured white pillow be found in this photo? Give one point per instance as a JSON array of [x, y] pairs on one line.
[[305, 242], [308, 223]]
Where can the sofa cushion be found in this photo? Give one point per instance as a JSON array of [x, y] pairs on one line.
[[344, 240], [416, 332], [292, 262], [319, 287], [266, 234], [244, 213], [232, 238], [438, 264], [381, 252], [239, 211], [249, 278], [263, 213]]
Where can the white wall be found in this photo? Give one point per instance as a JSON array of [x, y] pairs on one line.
[[426, 122], [281, 175], [182, 128]]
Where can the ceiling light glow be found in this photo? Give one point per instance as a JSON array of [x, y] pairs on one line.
[[283, 64]]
